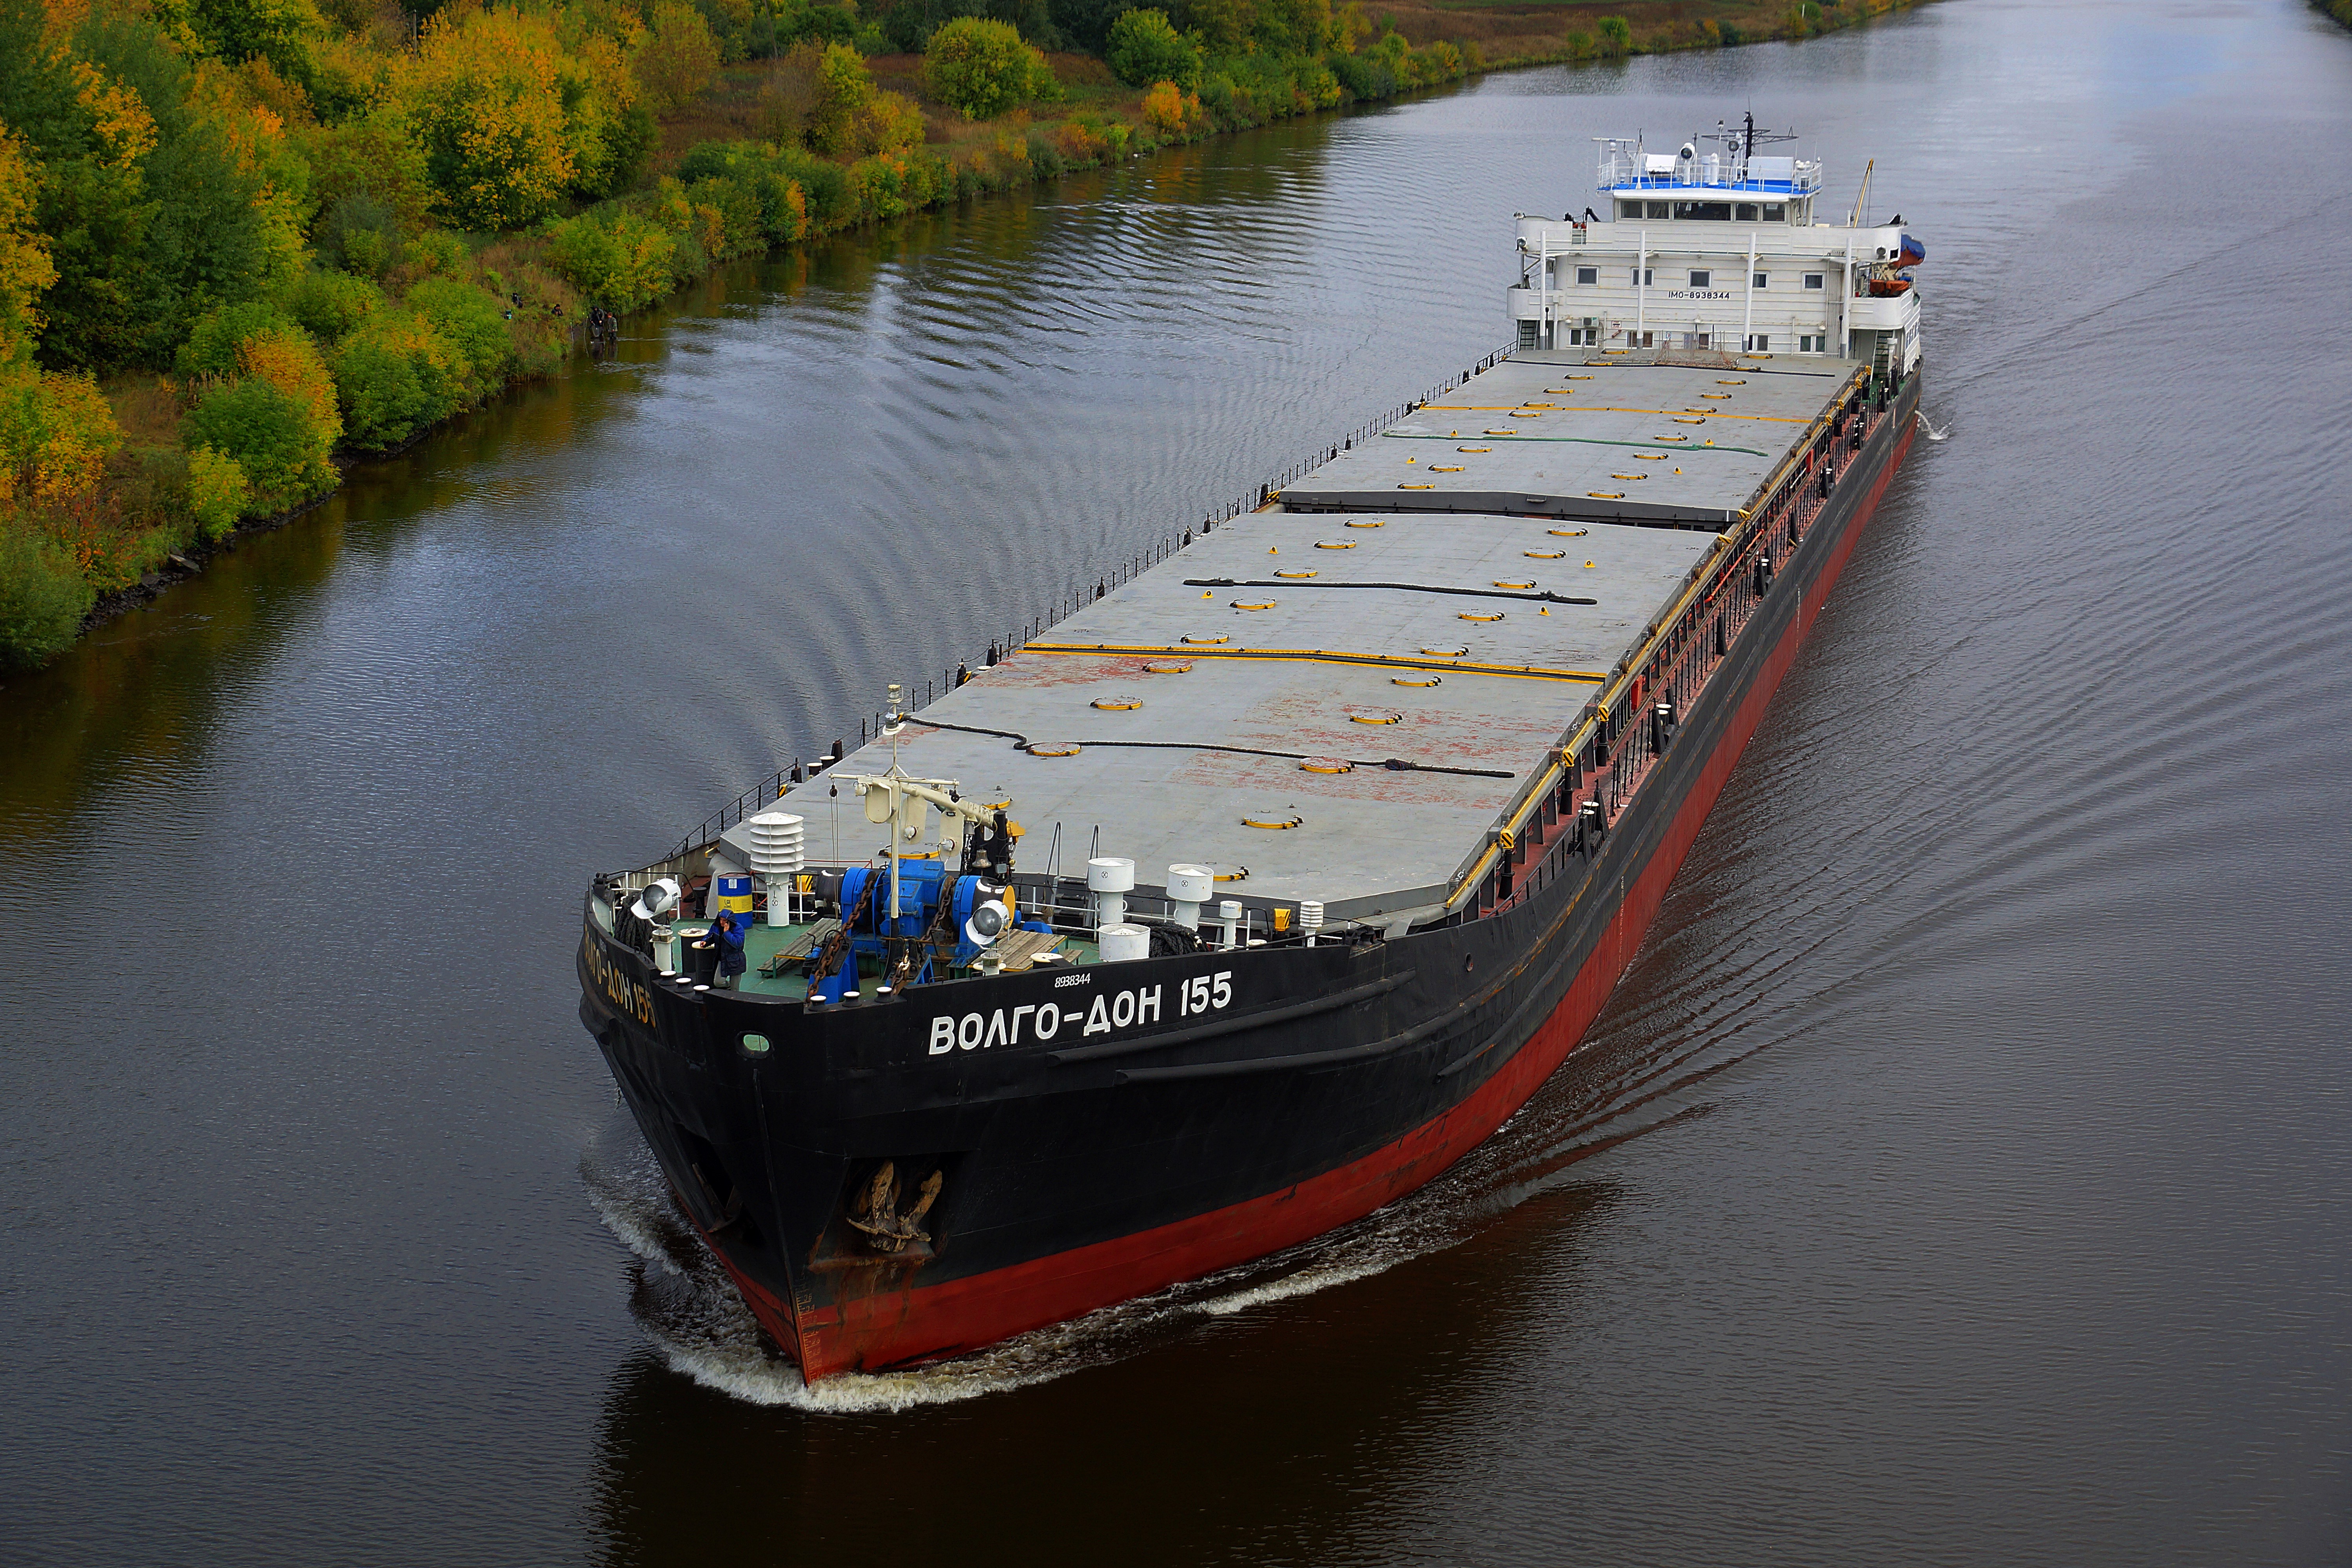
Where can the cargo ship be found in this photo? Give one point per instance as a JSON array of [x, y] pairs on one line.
[[1248, 892]]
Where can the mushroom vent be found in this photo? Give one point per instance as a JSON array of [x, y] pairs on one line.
[[776, 843]]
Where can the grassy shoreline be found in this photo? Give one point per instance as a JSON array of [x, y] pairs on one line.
[[719, 190]]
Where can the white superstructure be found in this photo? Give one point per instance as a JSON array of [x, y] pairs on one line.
[[1717, 250]]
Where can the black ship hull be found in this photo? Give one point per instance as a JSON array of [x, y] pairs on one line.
[[1183, 1115]]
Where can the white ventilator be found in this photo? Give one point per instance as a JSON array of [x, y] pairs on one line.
[[778, 854], [1189, 887], [1110, 879], [1121, 943], [1310, 919], [1229, 915]]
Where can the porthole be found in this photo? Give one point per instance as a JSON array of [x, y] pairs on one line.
[[755, 1045]]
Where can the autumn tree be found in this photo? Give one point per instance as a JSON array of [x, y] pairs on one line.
[[481, 97], [675, 59]]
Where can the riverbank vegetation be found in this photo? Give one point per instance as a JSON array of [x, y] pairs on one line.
[[243, 241]]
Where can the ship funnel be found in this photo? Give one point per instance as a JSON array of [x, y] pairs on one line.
[[1189, 887], [1110, 878]]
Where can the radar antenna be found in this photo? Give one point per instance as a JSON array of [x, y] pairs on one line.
[[1743, 140]]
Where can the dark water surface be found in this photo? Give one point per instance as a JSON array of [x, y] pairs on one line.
[[1961, 1175]]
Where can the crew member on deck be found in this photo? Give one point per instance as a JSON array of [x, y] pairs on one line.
[[727, 935]]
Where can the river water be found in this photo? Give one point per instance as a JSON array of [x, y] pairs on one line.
[[1961, 1175]]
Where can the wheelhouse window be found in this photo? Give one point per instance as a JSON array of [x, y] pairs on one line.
[[1662, 209], [1776, 212], [1745, 212], [1588, 275], [1629, 209], [1812, 280], [1705, 212], [1701, 278]]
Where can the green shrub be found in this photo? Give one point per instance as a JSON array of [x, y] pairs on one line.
[[217, 492], [42, 598], [267, 430], [212, 346], [982, 67], [1146, 48], [359, 234], [1616, 35], [327, 305], [473, 324], [616, 259], [438, 253], [1364, 76], [381, 383]]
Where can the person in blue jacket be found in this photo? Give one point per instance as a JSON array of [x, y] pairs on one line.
[[727, 933]]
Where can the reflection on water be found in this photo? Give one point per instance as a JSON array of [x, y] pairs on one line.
[[1956, 1177]]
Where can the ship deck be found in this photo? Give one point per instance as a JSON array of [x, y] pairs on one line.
[[1196, 715], [1609, 436]]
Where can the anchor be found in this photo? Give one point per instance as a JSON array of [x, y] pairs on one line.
[[876, 1216]]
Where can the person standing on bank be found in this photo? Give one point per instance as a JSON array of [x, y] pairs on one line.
[[727, 933]]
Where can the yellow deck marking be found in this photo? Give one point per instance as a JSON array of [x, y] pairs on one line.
[[1324, 656], [1588, 408]]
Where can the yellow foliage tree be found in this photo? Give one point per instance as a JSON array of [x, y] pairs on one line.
[[26, 269], [483, 97], [55, 433], [675, 57], [252, 105], [1171, 112]]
